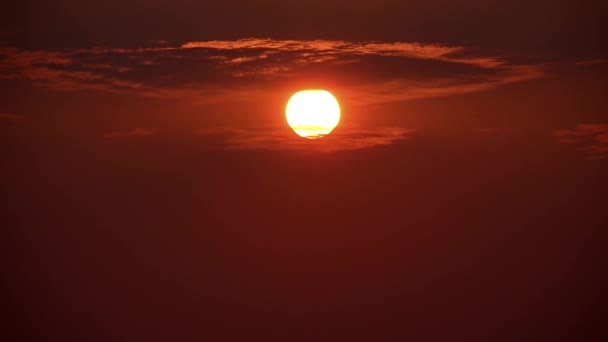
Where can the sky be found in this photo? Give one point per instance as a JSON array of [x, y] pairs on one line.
[[152, 189]]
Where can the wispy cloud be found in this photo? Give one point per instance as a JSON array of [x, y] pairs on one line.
[[593, 139], [589, 62], [403, 90], [491, 130], [62, 71], [11, 117], [278, 139], [136, 132]]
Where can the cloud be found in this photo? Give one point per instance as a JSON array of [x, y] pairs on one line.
[[136, 132], [210, 71], [592, 137], [339, 47], [15, 58], [62, 71], [9, 117], [287, 56], [589, 62], [403, 90], [279, 139], [491, 130]]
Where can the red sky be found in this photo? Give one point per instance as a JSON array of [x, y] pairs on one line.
[[152, 189]]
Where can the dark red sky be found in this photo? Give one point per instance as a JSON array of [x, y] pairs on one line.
[[152, 190]]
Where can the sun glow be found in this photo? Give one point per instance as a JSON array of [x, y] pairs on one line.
[[312, 114]]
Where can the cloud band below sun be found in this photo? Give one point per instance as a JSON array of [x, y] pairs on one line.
[[281, 139]]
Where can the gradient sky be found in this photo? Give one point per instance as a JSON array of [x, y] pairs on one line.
[[153, 190]]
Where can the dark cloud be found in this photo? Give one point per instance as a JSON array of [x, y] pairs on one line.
[[592, 137], [209, 71]]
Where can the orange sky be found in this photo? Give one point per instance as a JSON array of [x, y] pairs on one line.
[[153, 190]]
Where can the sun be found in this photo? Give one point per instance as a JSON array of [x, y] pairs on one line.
[[312, 114]]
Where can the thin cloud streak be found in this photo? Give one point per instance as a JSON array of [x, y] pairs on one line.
[[136, 132], [282, 139], [590, 62], [491, 130], [9, 117], [404, 90]]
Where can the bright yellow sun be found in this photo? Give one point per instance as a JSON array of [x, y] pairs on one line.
[[312, 114]]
